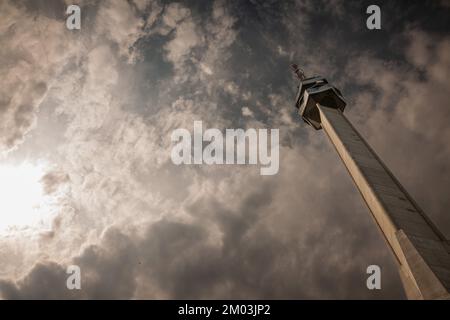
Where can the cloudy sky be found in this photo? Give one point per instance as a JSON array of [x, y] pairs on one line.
[[85, 123]]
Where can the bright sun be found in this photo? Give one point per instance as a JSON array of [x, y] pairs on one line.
[[22, 202]]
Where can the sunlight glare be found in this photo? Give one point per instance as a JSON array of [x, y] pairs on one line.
[[22, 201]]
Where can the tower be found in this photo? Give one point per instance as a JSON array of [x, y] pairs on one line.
[[422, 253]]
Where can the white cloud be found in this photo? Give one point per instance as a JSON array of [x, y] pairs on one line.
[[246, 112]]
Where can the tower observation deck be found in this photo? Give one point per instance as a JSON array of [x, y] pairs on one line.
[[422, 253]]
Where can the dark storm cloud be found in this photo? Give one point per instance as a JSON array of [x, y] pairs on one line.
[[54, 9], [265, 251], [108, 273], [48, 275], [226, 232], [251, 262]]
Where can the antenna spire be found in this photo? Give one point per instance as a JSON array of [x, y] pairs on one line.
[[298, 71]]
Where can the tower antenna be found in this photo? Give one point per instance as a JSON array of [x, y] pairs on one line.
[[298, 71]]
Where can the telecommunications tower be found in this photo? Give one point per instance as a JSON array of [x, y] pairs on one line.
[[421, 251]]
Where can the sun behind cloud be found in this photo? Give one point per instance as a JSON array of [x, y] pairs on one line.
[[24, 203]]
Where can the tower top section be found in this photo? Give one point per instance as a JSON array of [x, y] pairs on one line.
[[312, 91]]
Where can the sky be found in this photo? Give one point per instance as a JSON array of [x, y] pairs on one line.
[[86, 117]]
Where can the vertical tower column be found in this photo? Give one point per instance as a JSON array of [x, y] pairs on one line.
[[420, 249]]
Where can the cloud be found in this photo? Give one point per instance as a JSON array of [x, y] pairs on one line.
[[178, 19], [49, 275], [28, 67], [247, 112]]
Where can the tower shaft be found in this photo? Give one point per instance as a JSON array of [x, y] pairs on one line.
[[421, 251]]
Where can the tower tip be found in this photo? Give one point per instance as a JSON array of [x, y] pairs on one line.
[[298, 71]]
